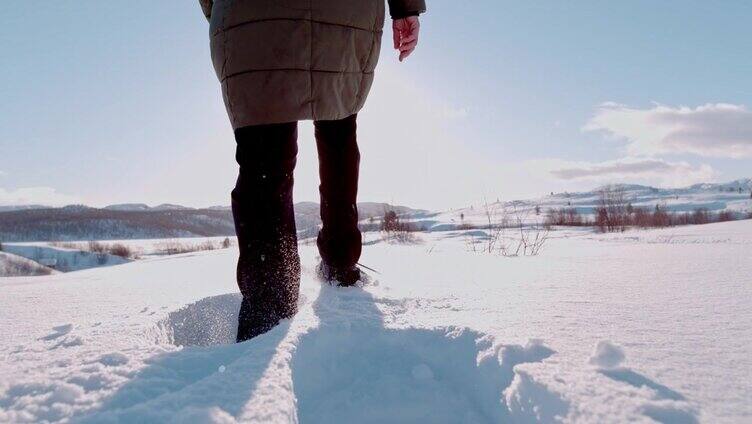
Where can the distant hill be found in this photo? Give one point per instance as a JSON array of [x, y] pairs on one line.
[[744, 184], [128, 207], [137, 221], [145, 207], [21, 207], [732, 196]]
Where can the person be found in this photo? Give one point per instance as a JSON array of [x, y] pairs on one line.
[[279, 62]]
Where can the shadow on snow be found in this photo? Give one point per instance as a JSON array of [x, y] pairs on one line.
[[348, 368], [352, 367]]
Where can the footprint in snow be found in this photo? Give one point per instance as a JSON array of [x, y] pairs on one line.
[[672, 406], [58, 332], [113, 359], [207, 322], [68, 341], [369, 373]]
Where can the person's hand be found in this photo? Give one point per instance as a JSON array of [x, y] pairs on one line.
[[405, 32]]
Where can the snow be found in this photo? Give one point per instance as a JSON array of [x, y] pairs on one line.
[[713, 197], [598, 328], [16, 266], [607, 355], [62, 259]]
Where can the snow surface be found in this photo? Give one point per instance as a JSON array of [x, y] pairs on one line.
[[63, 259], [142, 247], [598, 328], [17, 266]]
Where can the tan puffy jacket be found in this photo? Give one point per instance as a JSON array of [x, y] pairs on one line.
[[289, 60]]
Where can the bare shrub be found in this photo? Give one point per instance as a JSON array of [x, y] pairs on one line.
[[119, 249], [395, 230], [103, 249], [226, 243], [96, 247], [390, 221], [530, 239], [173, 247], [660, 217], [402, 237], [700, 216], [496, 221], [207, 245], [564, 216], [525, 240], [641, 217], [725, 216], [68, 245], [611, 213], [176, 247]]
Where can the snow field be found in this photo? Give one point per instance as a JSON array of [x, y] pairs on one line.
[[595, 329]]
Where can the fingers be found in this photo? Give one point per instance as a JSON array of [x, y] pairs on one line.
[[404, 54], [408, 39], [396, 34], [405, 34], [408, 46]]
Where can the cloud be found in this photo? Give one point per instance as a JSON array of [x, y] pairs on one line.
[[643, 170], [35, 196], [714, 130]]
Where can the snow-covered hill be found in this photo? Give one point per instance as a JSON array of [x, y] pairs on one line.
[[734, 196], [17, 266], [140, 221], [643, 326]]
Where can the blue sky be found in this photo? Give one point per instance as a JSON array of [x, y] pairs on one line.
[[109, 102]]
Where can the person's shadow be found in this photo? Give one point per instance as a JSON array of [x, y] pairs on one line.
[[351, 367], [211, 371]]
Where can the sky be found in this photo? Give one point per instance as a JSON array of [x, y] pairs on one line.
[[117, 102]]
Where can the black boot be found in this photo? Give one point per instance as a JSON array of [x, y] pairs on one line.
[[343, 277], [339, 240], [268, 270]]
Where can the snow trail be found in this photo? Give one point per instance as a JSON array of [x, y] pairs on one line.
[[335, 362]]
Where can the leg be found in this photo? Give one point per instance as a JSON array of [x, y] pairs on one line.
[[339, 240], [268, 267]]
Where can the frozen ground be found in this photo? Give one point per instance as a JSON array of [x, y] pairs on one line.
[[644, 326]]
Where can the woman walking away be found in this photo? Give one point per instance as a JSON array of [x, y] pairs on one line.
[[279, 62]]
